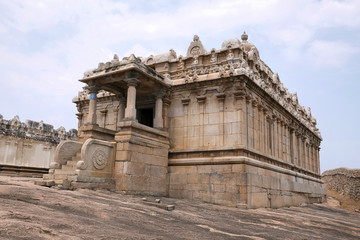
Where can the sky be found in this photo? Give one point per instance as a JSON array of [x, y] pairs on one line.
[[46, 46]]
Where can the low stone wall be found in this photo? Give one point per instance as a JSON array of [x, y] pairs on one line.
[[344, 181], [29, 144]]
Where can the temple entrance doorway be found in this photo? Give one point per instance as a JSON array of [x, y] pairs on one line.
[[145, 116]]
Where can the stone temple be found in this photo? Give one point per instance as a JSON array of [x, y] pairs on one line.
[[216, 126]]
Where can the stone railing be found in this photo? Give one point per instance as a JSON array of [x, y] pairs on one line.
[[344, 181]]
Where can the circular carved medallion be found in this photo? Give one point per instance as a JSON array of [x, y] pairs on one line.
[[195, 51], [99, 159]]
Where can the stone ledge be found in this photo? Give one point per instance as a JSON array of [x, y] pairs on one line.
[[237, 160], [210, 150], [136, 125]]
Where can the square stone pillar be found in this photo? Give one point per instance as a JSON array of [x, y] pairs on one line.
[[91, 118], [132, 82], [159, 120]]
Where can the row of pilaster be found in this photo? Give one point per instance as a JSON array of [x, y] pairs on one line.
[[259, 129]]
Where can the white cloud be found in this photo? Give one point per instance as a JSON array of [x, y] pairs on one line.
[[330, 54], [138, 51], [102, 28]]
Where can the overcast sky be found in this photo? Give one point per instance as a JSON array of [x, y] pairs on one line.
[[46, 46]]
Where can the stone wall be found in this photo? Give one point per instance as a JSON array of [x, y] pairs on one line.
[[29, 144], [241, 182], [344, 181]]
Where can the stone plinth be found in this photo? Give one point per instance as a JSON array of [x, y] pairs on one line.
[[141, 161], [96, 132], [241, 182]]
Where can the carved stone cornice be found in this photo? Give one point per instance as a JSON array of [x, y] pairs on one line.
[[240, 94], [201, 99], [220, 96], [132, 78], [132, 82], [93, 88], [185, 101]]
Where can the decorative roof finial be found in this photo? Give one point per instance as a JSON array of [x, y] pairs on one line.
[[196, 38], [244, 37]]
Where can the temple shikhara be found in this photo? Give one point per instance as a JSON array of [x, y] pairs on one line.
[[216, 126]]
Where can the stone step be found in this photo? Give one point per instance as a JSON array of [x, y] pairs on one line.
[[65, 172], [58, 182], [71, 163], [72, 178], [68, 168], [48, 176], [60, 176], [45, 183]]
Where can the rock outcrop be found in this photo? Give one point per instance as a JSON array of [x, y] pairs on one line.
[[344, 181]]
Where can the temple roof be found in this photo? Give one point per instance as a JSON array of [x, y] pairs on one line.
[[234, 58]]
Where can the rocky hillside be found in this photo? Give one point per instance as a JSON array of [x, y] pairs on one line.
[[344, 181], [32, 212]]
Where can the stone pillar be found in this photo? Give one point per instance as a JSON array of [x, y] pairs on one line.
[[103, 115], [185, 102], [247, 120], [307, 156], [221, 98], [80, 119], [201, 101], [276, 137], [303, 153], [93, 89], [239, 106], [281, 151], [130, 111], [261, 129], [311, 157], [121, 112], [166, 113], [264, 131], [255, 117], [299, 149], [318, 159], [158, 120], [292, 138]]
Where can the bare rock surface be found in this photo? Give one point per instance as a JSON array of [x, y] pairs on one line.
[[28, 211], [344, 181]]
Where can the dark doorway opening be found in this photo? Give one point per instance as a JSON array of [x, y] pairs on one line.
[[146, 116]]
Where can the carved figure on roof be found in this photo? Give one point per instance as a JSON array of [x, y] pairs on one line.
[[195, 75], [115, 59], [172, 54], [150, 60], [231, 68], [196, 61], [213, 58], [221, 71], [230, 54], [181, 63], [294, 99], [244, 67], [196, 48], [253, 54], [308, 112]]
